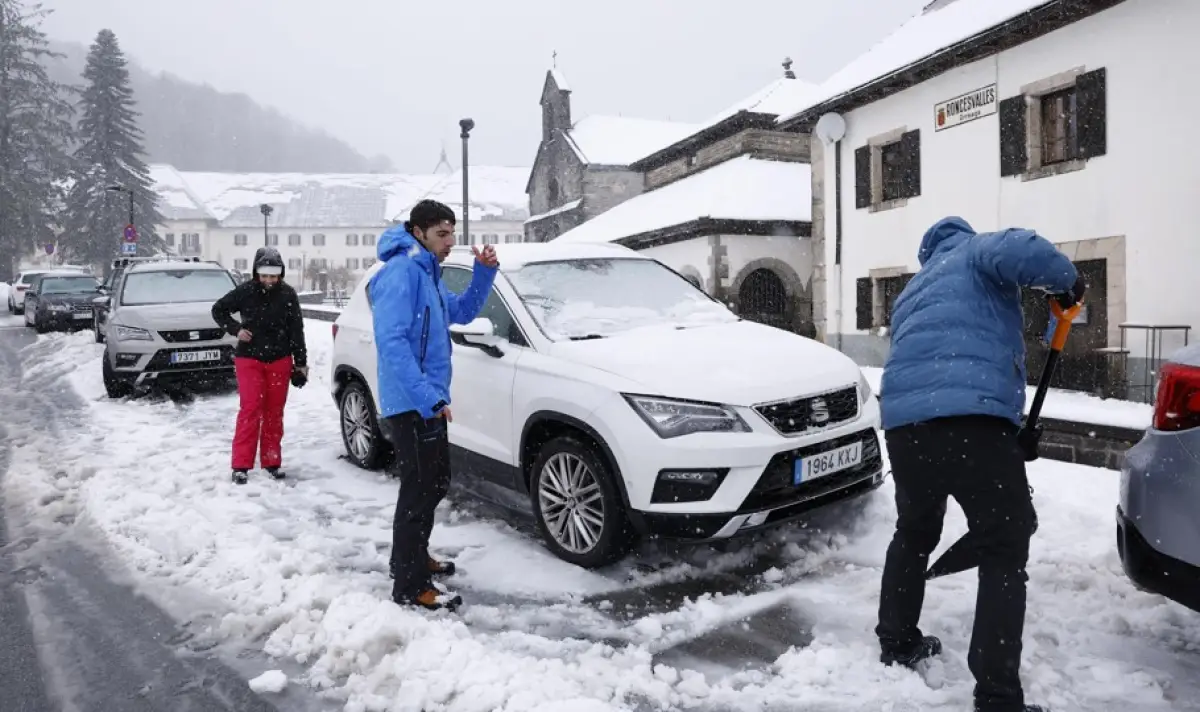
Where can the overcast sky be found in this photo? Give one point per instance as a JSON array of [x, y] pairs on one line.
[[394, 76]]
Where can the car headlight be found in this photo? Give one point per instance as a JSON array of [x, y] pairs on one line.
[[672, 418], [132, 333], [864, 389]]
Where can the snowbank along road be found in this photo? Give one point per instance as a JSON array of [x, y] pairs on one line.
[[291, 576]]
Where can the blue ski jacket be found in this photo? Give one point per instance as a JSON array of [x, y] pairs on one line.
[[412, 310], [957, 329]]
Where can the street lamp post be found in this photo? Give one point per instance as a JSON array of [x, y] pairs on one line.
[[266, 213], [466, 125]]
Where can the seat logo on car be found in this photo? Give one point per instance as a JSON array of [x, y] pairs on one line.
[[194, 335], [820, 411]]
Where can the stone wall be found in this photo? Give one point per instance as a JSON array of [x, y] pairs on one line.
[[606, 188], [774, 145], [1086, 443]]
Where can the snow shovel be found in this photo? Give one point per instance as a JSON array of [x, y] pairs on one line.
[[964, 553]]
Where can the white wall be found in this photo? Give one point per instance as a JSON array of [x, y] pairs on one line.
[[1144, 188], [686, 257], [796, 252]]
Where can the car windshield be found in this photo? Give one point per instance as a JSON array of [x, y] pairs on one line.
[[175, 286], [28, 277], [68, 285], [594, 298]]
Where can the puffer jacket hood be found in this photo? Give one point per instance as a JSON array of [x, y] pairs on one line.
[[268, 257], [948, 233]]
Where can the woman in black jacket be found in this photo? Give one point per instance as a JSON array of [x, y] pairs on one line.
[[270, 354]]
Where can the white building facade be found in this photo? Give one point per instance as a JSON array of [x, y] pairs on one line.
[[1077, 128]]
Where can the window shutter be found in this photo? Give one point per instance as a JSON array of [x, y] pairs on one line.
[[862, 177], [1092, 113], [910, 148], [1013, 154], [863, 308]]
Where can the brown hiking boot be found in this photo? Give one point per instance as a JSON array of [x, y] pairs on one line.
[[434, 600], [441, 568]]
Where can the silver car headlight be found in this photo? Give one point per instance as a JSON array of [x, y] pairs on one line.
[[864, 389], [673, 418], [132, 333]]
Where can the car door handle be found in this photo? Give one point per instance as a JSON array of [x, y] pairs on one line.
[[366, 338]]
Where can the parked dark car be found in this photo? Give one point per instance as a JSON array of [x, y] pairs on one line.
[[1158, 516], [60, 300]]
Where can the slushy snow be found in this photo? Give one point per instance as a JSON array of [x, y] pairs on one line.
[[299, 568]]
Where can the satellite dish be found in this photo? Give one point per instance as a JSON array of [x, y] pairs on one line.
[[831, 127]]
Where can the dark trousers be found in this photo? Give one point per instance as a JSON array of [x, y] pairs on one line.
[[976, 461], [422, 465]]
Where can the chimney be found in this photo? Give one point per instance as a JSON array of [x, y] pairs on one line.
[[787, 68]]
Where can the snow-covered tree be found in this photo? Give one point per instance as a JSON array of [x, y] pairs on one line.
[[110, 155], [35, 137]]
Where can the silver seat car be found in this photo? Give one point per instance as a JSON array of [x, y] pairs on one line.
[[1158, 517], [159, 325]]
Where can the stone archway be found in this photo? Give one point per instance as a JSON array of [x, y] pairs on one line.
[[692, 275], [769, 291]]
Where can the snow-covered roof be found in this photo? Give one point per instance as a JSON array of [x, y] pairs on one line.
[[175, 201], [619, 141], [777, 97], [926, 35], [742, 188], [339, 200], [565, 207], [559, 80]]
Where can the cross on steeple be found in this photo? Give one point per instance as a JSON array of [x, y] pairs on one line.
[[554, 59]]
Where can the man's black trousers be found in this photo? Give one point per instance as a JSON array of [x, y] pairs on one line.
[[422, 465], [975, 460]]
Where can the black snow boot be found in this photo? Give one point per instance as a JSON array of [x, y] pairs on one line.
[[927, 648], [240, 477], [276, 473]]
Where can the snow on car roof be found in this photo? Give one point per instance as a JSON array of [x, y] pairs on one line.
[[173, 266], [516, 255]]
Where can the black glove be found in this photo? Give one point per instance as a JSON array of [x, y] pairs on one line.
[[298, 378], [1074, 296], [1028, 440]]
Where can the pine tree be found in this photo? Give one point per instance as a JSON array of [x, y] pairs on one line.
[[35, 137], [110, 154]]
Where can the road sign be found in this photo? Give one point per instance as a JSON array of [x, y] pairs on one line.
[[129, 248], [130, 233], [50, 249]]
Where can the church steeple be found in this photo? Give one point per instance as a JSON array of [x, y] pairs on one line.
[[443, 166], [555, 101]]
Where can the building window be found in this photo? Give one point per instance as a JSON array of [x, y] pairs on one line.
[[294, 239], [351, 263], [169, 239], [887, 171], [1055, 125], [368, 240], [273, 239], [368, 262], [240, 263], [513, 237], [351, 240], [318, 262], [240, 239], [491, 239], [876, 298], [318, 240], [295, 264], [191, 243]]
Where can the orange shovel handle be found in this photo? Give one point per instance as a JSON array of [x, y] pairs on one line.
[[1063, 327]]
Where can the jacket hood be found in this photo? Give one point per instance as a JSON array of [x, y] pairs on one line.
[[398, 240], [268, 257], [948, 232]]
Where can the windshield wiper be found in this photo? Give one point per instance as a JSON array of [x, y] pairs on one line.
[[587, 337]]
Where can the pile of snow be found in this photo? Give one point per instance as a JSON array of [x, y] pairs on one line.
[[301, 566], [273, 681], [1072, 405]]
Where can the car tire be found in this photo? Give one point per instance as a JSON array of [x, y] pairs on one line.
[[612, 537], [40, 325], [12, 306], [361, 436], [115, 384]]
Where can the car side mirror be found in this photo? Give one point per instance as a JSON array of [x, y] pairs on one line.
[[100, 301], [480, 333]]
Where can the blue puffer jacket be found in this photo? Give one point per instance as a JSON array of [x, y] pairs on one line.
[[412, 310], [957, 328]]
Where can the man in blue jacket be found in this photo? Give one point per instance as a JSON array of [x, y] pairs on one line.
[[412, 311], [952, 401]]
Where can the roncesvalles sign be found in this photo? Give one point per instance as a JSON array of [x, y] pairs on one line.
[[965, 108]]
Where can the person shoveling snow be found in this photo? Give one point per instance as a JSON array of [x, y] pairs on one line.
[[951, 400]]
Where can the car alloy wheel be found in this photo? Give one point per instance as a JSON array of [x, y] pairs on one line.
[[364, 443], [571, 502]]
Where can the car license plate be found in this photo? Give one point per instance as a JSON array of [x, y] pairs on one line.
[[195, 356], [826, 463], [83, 314]]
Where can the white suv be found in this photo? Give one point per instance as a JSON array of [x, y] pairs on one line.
[[624, 402]]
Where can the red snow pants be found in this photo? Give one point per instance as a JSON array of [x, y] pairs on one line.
[[262, 390]]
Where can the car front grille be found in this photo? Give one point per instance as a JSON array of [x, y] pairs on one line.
[[186, 335], [801, 415], [775, 488], [161, 361]]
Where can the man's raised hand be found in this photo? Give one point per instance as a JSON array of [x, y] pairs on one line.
[[487, 257]]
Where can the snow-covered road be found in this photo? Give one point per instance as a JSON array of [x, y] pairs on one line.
[[782, 622]]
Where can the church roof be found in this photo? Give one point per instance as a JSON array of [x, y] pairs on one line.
[[619, 141]]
